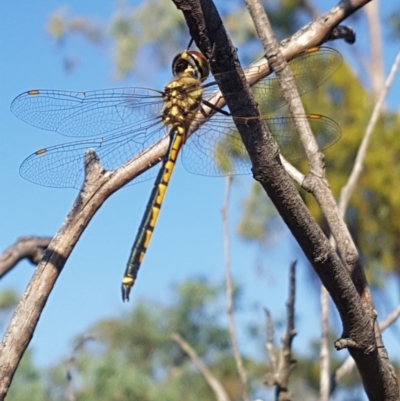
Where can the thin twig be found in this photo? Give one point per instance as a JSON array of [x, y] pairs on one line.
[[287, 363], [213, 382], [348, 189], [229, 294], [324, 347], [270, 341], [279, 377]]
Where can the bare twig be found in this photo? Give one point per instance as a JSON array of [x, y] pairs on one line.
[[348, 189], [229, 294], [31, 248], [213, 382], [294, 174], [270, 342], [287, 363], [324, 347], [315, 182], [280, 374]]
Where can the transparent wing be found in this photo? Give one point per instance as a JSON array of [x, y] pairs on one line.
[[219, 141], [130, 118], [85, 114], [63, 165], [310, 69]]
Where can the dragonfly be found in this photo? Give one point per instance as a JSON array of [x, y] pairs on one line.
[[124, 122]]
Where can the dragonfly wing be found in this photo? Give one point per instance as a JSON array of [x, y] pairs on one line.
[[63, 165], [216, 149], [219, 141], [84, 114], [310, 69], [326, 132]]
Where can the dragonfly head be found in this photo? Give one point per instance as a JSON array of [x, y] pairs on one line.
[[191, 62]]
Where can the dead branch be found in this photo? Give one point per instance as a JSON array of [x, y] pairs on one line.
[[270, 345], [280, 374], [30, 248], [375, 64]]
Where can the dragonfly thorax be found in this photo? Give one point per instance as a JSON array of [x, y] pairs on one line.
[[182, 99]]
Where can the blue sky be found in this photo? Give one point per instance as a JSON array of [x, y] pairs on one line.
[[188, 239]]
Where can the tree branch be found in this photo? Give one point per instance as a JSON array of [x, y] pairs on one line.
[[31, 248], [212, 381], [280, 374]]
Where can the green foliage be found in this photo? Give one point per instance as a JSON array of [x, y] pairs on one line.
[[373, 209]]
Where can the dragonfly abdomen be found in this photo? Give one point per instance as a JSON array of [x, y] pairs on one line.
[[150, 217]]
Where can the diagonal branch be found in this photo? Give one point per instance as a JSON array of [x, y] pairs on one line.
[[213, 382], [348, 189]]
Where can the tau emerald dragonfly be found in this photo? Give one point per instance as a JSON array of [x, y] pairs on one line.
[[131, 120]]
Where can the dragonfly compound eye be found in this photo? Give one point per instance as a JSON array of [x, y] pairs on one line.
[[191, 62]]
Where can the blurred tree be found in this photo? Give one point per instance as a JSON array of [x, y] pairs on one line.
[[133, 357]]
